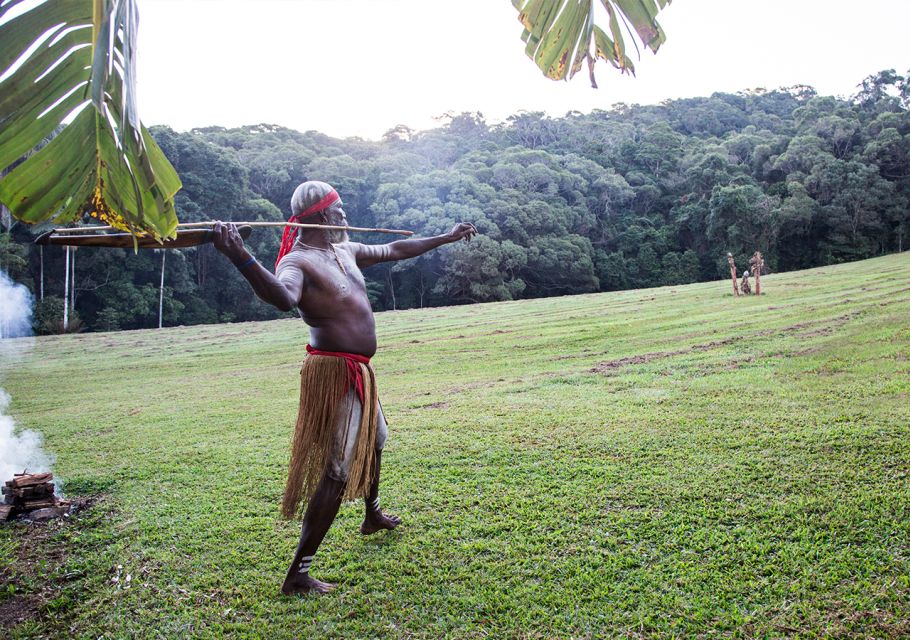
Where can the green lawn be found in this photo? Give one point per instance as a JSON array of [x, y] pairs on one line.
[[668, 462]]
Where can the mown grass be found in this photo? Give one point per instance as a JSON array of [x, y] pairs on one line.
[[660, 463]]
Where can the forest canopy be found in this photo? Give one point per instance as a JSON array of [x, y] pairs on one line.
[[633, 196]]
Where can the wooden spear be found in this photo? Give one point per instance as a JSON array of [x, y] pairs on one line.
[[209, 223]]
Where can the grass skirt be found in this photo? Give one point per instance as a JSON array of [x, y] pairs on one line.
[[324, 381]]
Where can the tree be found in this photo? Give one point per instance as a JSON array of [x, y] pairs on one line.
[[796, 215], [741, 218], [855, 203], [13, 257], [483, 270], [559, 266], [885, 89]]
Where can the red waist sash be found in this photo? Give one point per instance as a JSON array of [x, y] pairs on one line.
[[353, 360]]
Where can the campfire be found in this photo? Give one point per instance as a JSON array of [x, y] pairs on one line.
[[31, 495]]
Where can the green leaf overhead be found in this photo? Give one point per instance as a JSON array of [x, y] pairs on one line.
[[563, 35], [71, 141]]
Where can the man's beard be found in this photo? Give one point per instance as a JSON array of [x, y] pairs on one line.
[[336, 236]]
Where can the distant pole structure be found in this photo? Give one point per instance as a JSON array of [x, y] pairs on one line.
[[161, 292], [66, 290], [757, 263], [73, 279], [732, 264]]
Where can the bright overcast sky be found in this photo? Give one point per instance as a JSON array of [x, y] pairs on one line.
[[360, 67]]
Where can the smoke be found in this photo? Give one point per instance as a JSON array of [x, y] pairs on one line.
[[15, 309], [20, 450]]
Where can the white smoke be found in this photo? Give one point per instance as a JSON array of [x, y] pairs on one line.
[[22, 450], [15, 309]]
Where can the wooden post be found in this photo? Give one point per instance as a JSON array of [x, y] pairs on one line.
[[73, 280], [66, 290], [392, 289], [732, 264], [161, 292], [757, 262]]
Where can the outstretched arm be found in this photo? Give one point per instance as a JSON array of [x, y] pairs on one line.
[[283, 291], [370, 254]]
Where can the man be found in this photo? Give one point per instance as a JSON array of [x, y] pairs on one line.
[[341, 430]]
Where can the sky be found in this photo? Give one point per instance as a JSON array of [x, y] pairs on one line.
[[360, 67]]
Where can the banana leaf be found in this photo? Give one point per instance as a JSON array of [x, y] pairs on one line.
[[71, 142], [561, 35]]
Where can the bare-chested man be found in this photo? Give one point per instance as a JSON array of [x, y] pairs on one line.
[[340, 430]]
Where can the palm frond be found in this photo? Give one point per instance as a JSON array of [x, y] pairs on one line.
[[70, 135], [558, 32]]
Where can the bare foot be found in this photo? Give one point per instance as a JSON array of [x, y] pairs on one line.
[[377, 521], [303, 584]]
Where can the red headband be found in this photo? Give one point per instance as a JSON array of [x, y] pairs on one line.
[[287, 240]]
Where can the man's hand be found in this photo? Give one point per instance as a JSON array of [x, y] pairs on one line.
[[282, 292], [463, 231], [228, 241]]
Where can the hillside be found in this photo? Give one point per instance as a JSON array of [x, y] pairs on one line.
[[630, 197], [641, 463]]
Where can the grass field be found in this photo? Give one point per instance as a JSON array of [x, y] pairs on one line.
[[668, 462]]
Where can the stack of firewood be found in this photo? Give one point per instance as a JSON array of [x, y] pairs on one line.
[[30, 493]]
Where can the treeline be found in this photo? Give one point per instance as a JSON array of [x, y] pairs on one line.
[[634, 196]]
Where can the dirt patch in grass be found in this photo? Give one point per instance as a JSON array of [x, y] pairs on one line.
[[38, 556], [18, 609], [822, 331], [644, 358], [574, 356], [737, 363], [432, 405], [894, 300], [803, 329], [877, 623], [29, 591], [840, 620]]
